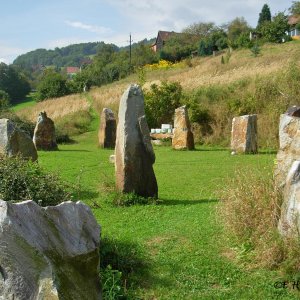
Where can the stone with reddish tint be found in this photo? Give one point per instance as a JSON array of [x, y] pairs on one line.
[[134, 155], [107, 130], [183, 138], [244, 134], [44, 133], [293, 111]]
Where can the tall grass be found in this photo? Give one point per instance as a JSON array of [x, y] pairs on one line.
[[249, 212]]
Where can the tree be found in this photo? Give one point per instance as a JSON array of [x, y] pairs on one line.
[[295, 8], [13, 82], [235, 28], [52, 85], [264, 16], [275, 30], [4, 100], [201, 29]]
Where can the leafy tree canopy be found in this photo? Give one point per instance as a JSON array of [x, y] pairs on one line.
[[265, 15], [295, 8]]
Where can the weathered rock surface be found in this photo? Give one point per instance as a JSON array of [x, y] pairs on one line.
[[107, 130], [289, 147], [134, 152], [289, 223], [44, 133], [293, 111], [14, 141], [48, 253], [244, 134], [183, 137], [112, 159]]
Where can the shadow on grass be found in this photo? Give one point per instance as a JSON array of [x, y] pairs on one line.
[[267, 152], [130, 259], [86, 195], [168, 202]]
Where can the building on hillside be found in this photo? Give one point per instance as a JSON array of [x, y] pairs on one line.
[[162, 37], [72, 71], [294, 31]]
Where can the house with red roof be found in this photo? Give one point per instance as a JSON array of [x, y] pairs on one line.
[[294, 31], [162, 37], [72, 71]]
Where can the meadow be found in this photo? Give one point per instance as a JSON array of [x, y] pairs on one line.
[[175, 249], [179, 248]]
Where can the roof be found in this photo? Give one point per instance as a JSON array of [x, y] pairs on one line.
[[164, 35], [71, 70], [294, 20]]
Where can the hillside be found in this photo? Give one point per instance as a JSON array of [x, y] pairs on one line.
[[266, 85]]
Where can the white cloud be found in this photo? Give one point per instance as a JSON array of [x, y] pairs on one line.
[[8, 53], [90, 28]]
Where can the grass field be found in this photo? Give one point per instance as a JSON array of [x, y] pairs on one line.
[[176, 248]]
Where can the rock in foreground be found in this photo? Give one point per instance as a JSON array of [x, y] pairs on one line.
[[14, 141], [48, 253], [134, 153]]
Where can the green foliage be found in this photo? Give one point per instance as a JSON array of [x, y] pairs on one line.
[[235, 29], [178, 47], [52, 85], [201, 29], [24, 180], [128, 199], [4, 100], [295, 8], [255, 50], [160, 103], [111, 284], [141, 73], [13, 82], [264, 15], [275, 30]]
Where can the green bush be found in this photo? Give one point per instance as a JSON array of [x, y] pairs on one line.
[[161, 101], [128, 199], [24, 180], [4, 100], [52, 85]]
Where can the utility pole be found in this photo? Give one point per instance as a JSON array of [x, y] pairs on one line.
[[130, 41]]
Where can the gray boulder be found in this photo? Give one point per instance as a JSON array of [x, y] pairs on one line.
[[134, 152], [48, 252], [289, 147], [44, 133], [14, 141], [244, 134], [107, 130], [289, 223]]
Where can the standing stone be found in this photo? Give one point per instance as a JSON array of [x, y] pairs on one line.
[[134, 152], [244, 134], [107, 130], [14, 141], [183, 137], [289, 147], [44, 133], [48, 252], [289, 223]]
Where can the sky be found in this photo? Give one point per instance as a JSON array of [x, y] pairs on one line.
[[26, 25]]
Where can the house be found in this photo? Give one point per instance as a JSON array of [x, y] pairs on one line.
[[294, 31], [162, 37], [72, 71]]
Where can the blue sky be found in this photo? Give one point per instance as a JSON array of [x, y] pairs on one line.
[[30, 24]]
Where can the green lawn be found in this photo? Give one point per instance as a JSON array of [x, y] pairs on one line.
[[24, 104], [176, 247]]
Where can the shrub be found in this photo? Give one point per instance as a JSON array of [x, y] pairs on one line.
[[128, 199], [4, 100], [24, 180], [161, 101]]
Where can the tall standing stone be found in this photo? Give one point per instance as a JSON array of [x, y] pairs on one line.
[[134, 152], [48, 252], [289, 145], [44, 133], [244, 134], [14, 141], [183, 137], [107, 130]]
